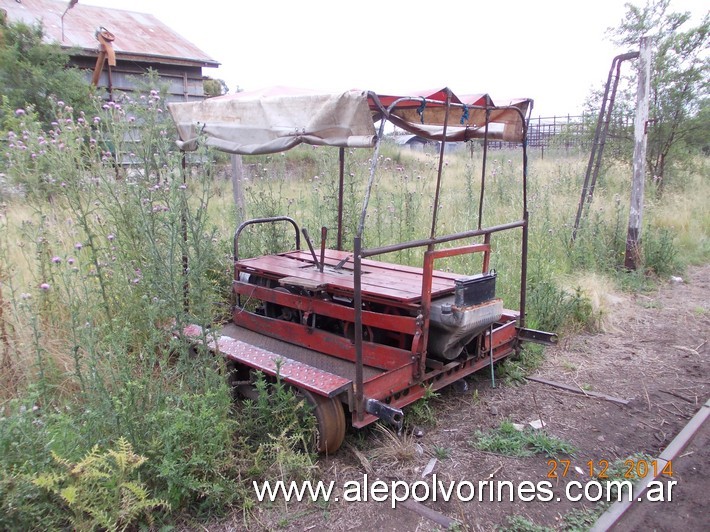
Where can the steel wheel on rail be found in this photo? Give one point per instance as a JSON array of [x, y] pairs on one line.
[[330, 421]]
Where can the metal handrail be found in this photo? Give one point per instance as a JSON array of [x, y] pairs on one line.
[[272, 219]]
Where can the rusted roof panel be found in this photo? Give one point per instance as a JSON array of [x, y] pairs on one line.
[[139, 35]]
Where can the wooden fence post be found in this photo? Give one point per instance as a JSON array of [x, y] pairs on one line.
[[633, 235]]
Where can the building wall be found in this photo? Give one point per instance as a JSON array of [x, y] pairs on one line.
[[184, 83]]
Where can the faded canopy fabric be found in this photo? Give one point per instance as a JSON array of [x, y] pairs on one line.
[[423, 113], [279, 118], [274, 120]]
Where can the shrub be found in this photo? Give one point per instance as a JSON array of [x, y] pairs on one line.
[[279, 430], [551, 307], [26, 506], [660, 256], [191, 451], [102, 490]]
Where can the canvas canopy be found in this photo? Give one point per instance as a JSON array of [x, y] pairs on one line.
[[276, 119], [279, 118]]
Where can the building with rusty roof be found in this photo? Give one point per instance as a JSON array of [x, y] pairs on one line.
[[115, 46]]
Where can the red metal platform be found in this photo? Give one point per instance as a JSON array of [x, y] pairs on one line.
[[301, 375], [381, 281]]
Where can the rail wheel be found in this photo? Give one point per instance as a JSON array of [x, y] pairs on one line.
[[330, 421]]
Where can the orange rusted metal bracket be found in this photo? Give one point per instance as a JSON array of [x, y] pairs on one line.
[[104, 37]]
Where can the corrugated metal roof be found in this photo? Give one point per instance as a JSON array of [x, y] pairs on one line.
[[137, 34]]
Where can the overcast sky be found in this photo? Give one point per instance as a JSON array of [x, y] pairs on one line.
[[553, 51]]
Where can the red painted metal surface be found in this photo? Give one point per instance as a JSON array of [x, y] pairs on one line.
[[435, 379], [391, 322], [291, 371], [405, 287], [333, 257], [375, 355], [379, 283]]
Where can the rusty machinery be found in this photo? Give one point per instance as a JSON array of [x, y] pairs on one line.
[[364, 336]]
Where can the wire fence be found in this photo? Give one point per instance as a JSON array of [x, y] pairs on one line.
[[568, 132]]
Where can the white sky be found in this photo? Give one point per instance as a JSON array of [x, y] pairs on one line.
[[553, 51]]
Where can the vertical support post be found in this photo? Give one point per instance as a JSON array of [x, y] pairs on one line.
[[442, 150], [110, 84], [483, 170], [490, 355], [341, 190], [238, 186], [323, 239], [524, 272], [633, 235], [357, 304], [427, 280], [486, 254], [526, 225], [185, 260]]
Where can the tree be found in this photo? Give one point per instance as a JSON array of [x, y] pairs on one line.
[[32, 71], [214, 87], [679, 83]]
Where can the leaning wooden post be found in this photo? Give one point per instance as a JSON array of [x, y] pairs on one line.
[[633, 236]]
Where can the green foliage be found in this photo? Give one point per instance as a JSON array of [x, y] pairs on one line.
[[32, 71], [660, 256], [441, 452], [25, 506], [552, 307], [214, 87], [518, 523], [101, 290], [103, 489], [423, 411], [679, 83], [509, 441], [191, 451], [513, 370], [278, 428], [581, 520]]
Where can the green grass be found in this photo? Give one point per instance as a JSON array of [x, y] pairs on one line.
[[509, 441], [518, 523]]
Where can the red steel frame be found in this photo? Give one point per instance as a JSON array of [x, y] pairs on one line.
[[404, 372]]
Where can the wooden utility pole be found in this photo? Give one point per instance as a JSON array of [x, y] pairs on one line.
[[633, 236]]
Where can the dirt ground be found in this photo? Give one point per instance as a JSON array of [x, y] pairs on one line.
[[654, 353]]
